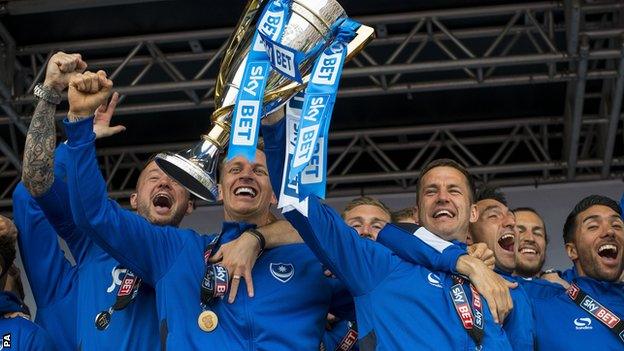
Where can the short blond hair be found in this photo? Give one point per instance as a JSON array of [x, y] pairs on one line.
[[365, 200]]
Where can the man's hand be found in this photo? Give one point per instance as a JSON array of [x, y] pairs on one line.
[[493, 287], [61, 68], [238, 257], [554, 277], [482, 252], [7, 227], [103, 116], [87, 91]]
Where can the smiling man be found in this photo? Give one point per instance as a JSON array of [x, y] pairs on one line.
[[589, 313], [288, 289], [531, 243]]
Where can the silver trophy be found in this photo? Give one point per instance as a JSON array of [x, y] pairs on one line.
[[312, 23]]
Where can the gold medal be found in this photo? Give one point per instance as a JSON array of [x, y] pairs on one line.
[[207, 321]]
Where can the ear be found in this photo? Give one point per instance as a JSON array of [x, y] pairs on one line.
[[571, 251], [220, 193], [474, 213], [190, 207], [273, 199], [133, 201]]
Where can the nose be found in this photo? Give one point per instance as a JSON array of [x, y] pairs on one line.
[[442, 197], [165, 182], [510, 221]]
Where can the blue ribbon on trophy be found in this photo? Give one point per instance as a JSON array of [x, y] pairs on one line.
[[306, 164], [248, 108]]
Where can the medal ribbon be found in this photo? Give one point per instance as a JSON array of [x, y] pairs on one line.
[[350, 338], [216, 280], [471, 315], [127, 292], [248, 108], [596, 310]]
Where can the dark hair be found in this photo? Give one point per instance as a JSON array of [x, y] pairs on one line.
[[447, 162], [531, 209], [491, 193], [407, 212], [7, 253], [592, 200]]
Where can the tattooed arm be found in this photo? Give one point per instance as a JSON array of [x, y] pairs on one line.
[[38, 170]]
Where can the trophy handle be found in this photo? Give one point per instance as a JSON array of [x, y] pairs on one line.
[[220, 117], [246, 21]]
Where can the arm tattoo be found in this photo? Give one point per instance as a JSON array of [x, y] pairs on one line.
[[38, 168]]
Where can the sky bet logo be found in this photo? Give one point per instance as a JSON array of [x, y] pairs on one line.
[[583, 323], [326, 71]]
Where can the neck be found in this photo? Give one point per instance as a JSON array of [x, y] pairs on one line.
[[257, 219]]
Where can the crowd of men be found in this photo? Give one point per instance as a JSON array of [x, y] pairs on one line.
[[461, 270]]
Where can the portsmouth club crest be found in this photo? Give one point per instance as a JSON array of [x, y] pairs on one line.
[[282, 271]]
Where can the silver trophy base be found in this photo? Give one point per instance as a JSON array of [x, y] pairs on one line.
[[195, 179]]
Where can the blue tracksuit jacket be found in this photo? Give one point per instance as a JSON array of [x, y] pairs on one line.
[[86, 289], [292, 295], [560, 324], [518, 325], [19, 333], [399, 305]]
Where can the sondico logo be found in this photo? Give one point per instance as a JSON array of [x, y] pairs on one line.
[[583, 323], [434, 280], [116, 274]]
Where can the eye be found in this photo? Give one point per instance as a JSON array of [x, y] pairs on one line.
[[235, 170], [455, 191], [377, 226], [260, 171], [617, 226], [592, 227]]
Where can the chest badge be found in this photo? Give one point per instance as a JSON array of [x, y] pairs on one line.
[[282, 271]]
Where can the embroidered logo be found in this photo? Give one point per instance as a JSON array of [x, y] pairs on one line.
[[583, 323], [116, 274], [434, 280], [282, 271]]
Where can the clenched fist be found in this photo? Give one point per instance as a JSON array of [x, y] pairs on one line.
[[61, 68], [87, 91], [7, 227]]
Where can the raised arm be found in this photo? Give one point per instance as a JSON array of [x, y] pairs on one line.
[[38, 162], [361, 264], [146, 249], [50, 275]]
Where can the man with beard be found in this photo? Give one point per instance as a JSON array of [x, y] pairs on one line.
[[531, 243], [289, 287], [588, 314], [391, 294], [70, 298]]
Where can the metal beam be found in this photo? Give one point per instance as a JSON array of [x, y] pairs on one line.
[[26, 7], [616, 107], [573, 123]]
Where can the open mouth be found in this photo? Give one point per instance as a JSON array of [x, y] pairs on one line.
[[443, 214], [507, 242], [608, 251], [528, 250], [245, 191], [162, 202]]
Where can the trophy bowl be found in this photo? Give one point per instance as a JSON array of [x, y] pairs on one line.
[[310, 27]]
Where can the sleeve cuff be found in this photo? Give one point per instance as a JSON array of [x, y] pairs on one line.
[[79, 132]]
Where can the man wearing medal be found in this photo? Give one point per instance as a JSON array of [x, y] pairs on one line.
[[289, 286]]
